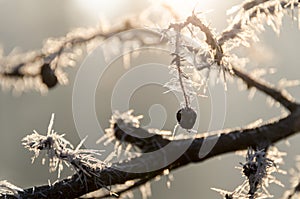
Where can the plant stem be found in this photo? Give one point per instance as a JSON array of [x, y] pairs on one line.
[[177, 62]]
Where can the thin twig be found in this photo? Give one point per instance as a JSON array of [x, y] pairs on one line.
[[135, 185], [283, 97]]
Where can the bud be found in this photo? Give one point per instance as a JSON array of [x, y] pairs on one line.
[[186, 118], [48, 76]]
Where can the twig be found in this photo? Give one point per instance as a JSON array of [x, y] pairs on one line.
[[233, 30], [135, 185], [283, 97]]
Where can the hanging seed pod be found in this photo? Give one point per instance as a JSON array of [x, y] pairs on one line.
[[48, 76], [186, 118]]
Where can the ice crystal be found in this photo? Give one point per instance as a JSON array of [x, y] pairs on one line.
[[125, 121], [258, 170], [8, 189], [294, 192], [60, 151]]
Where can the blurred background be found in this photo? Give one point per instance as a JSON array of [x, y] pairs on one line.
[[26, 24]]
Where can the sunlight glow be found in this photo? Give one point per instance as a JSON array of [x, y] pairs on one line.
[[184, 7], [115, 7], [112, 8], [96, 7]]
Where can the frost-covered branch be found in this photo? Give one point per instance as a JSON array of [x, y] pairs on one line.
[[250, 17], [240, 139], [44, 69], [281, 96]]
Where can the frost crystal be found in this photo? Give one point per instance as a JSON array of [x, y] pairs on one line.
[[258, 170], [8, 189], [59, 151]]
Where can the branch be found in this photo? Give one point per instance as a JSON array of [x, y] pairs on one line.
[[131, 187], [63, 52], [90, 178], [283, 97], [249, 11], [228, 141]]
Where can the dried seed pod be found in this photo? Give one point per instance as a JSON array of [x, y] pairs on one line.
[[48, 76], [186, 118]]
